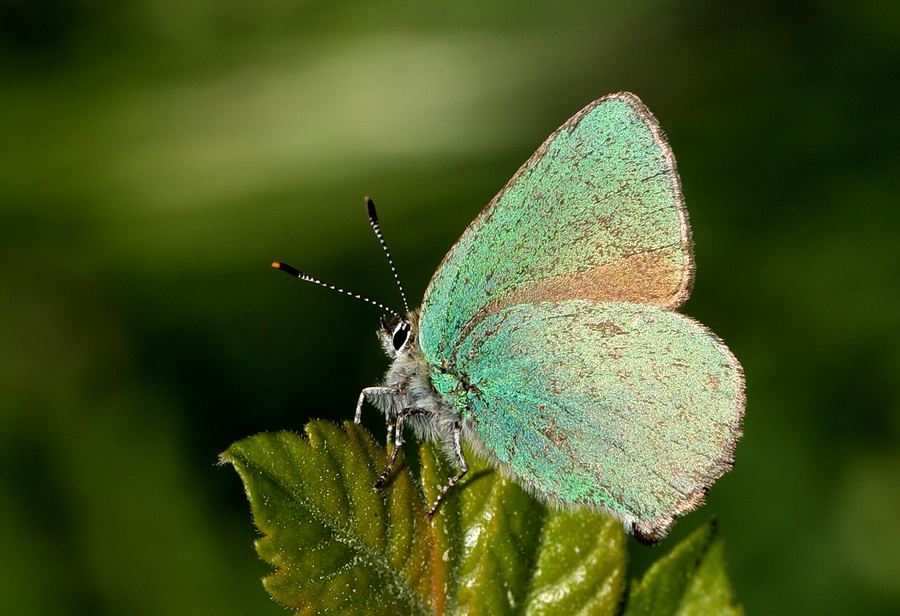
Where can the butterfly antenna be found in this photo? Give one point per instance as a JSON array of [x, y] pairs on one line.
[[373, 220], [287, 269]]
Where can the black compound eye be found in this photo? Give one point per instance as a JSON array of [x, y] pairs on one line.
[[401, 335]]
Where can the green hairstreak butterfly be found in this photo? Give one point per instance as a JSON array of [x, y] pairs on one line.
[[548, 337]]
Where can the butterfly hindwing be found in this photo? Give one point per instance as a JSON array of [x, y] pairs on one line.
[[628, 406], [595, 213]]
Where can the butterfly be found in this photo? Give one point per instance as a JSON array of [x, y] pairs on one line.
[[548, 338]]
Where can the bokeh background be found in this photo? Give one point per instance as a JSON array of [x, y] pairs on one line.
[[156, 156]]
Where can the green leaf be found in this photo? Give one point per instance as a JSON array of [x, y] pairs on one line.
[[689, 581], [340, 547]]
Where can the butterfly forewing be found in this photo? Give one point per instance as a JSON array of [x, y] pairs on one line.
[[595, 213]]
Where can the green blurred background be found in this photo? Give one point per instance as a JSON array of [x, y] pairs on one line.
[[156, 156]]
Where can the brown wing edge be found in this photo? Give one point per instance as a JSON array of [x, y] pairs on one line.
[[687, 282]]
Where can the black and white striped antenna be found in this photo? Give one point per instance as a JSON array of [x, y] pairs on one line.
[[287, 269], [373, 221]]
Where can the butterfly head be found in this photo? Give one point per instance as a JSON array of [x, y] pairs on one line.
[[396, 335]]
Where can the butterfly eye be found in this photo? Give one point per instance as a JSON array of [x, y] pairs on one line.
[[401, 335]]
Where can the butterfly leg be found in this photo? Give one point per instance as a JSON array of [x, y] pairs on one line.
[[463, 468], [370, 392], [398, 441]]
